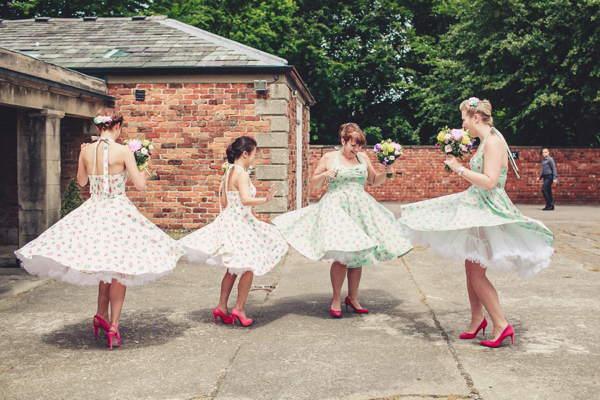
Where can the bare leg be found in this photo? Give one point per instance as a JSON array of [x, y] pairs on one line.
[[338, 275], [226, 286], [244, 287], [103, 299], [476, 306], [487, 295], [354, 275], [117, 297]]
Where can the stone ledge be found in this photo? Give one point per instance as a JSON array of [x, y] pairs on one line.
[[266, 140]]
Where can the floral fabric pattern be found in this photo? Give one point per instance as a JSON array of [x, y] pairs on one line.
[[236, 239], [105, 238], [480, 225], [347, 225]]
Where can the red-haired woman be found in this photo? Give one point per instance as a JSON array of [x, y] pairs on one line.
[[347, 226]]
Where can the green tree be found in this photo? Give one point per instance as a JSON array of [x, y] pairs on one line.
[[71, 198], [70, 9], [536, 61]]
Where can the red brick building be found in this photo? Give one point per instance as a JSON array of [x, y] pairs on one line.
[[190, 92]]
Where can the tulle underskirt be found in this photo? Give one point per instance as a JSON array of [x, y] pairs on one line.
[[502, 248], [47, 267]]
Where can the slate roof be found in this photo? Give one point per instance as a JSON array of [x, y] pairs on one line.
[[154, 42]]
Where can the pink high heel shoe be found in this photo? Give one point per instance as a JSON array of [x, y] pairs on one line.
[[111, 335], [334, 313], [508, 331], [243, 321], [356, 310], [466, 335], [226, 319], [99, 322]]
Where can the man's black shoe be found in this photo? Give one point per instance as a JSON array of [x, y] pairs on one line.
[[548, 208]]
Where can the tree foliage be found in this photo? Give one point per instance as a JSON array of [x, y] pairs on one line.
[[400, 68], [71, 198]]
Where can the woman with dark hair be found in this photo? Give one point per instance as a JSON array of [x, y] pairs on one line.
[[481, 225], [347, 226], [236, 239], [105, 241]]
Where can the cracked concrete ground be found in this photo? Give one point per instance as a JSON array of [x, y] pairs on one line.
[[406, 348]]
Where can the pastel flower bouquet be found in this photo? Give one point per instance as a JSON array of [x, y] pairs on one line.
[[142, 150], [387, 152], [454, 141]]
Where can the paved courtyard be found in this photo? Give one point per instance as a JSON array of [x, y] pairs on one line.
[[406, 348]]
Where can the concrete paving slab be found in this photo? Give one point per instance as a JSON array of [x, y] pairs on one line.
[[406, 348]]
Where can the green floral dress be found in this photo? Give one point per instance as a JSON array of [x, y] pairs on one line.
[[483, 226], [347, 225]]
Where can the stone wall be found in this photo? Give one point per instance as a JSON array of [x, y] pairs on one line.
[[420, 176]]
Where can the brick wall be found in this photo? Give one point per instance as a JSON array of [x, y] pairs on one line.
[[191, 125], [420, 176]]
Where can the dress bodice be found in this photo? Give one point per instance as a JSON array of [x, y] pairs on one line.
[[348, 177], [476, 165], [106, 185], [233, 196]]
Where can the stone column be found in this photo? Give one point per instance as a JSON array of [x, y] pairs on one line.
[[276, 109], [38, 171]]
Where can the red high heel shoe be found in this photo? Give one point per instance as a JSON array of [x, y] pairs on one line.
[[243, 321], [334, 313], [508, 331], [226, 319], [99, 322], [356, 310], [466, 335], [111, 335]]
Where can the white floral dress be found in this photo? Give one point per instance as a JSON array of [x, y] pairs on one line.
[[480, 225], [347, 225], [236, 239], [105, 238]]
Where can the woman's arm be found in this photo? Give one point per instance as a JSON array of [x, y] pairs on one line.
[[82, 174], [374, 177], [493, 154], [243, 186], [321, 173]]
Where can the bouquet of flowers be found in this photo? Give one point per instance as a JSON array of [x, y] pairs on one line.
[[142, 150], [454, 141], [387, 152]]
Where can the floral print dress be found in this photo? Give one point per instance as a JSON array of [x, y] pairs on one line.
[[347, 225], [236, 239], [480, 225], [105, 238]]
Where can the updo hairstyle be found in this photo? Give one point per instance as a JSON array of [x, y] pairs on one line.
[[239, 146], [351, 131], [483, 108], [107, 118]]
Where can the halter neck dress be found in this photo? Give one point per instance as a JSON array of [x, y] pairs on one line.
[[347, 225], [480, 225], [105, 238], [236, 239]]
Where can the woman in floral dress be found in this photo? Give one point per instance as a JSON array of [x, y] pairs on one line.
[[347, 226], [105, 241], [236, 239], [481, 225]]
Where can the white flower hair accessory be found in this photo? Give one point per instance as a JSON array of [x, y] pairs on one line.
[[102, 119], [473, 101]]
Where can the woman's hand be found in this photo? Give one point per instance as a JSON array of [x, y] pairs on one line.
[[330, 174], [452, 163], [271, 193]]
